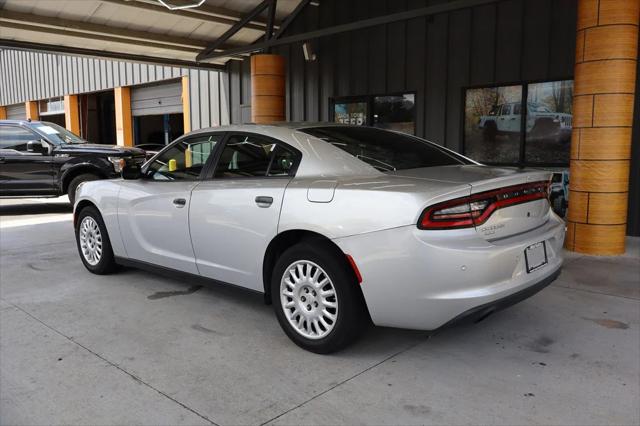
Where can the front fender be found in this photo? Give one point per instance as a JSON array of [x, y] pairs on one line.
[[99, 166], [103, 194]]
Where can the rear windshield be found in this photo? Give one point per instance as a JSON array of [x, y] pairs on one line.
[[384, 150]]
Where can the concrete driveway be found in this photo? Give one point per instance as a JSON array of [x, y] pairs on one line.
[[139, 348]]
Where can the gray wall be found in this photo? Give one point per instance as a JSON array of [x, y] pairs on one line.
[[437, 57], [30, 75]]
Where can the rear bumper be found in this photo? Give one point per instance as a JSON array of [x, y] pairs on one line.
[[477, 314], [425, 279]]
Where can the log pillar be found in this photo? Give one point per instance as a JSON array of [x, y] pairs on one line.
[[72, 114], [604, 87], [124, 122], [267, 88], [32, 111]]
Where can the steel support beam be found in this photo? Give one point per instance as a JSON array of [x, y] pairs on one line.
[[212, 47], [21, 45], [352, 26]]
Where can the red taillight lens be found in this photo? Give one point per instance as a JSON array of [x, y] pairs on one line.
[[474, 210]]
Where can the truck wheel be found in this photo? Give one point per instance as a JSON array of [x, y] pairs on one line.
[[93, 242], [490, 131], [316, 298], [76, 181]]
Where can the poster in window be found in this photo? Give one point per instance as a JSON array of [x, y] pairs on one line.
[[492, 125], [350, 113], [395, 112], [549, 122]]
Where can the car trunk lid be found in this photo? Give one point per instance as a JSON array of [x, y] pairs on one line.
[[518, 205]]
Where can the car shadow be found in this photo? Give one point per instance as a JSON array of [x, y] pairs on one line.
[[31, 208]]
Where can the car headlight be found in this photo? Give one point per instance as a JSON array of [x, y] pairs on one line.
[[118, 163]]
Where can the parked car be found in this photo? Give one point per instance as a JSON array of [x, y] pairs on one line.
[[505, 119], [335, 224], [39, 158], [559, 196]]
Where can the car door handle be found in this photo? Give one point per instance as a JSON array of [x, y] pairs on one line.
[[179, 202], [263, 201]]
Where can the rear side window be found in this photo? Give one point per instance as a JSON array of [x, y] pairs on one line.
[[253, 156], [384, 150], [16, 138]]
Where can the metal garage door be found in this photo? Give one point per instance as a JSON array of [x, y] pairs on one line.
[[157, 99], [16, 112]]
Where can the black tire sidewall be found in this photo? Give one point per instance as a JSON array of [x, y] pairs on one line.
[[107, 261], [76, 181], [350, 313]]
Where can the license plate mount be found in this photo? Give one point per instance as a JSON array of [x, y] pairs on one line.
[[535, 256]]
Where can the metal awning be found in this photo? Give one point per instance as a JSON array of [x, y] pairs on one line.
[[141, 29]]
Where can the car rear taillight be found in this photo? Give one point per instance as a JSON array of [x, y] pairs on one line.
[[467, 212]]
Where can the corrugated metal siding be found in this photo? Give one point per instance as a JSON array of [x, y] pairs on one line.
[[16, 112], [162, 98], [31, 75]]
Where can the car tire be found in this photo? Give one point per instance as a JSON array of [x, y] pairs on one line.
[[92, 240], [308, 305], [490, 131], [76, 181]]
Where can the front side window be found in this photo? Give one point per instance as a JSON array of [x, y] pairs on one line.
[[184, 160], [253, 156], [385, 150], [16, 138]]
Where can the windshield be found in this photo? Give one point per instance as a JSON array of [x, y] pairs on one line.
[[56, 134], [384, 150]]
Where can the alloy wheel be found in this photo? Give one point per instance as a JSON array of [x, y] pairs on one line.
[[309, 299], [90, 240]]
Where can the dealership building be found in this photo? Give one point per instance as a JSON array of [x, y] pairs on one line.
[[526, 83]]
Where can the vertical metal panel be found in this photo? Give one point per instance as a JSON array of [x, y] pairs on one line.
[[214, 97], [416, 34], [235, 76], [436, 75], [537, 34], [225, 102], [194, 99], [562, 49], [458, 74], [377, 52], [633, 215], [509, 40], [204, 102], [482, 54], [396, 50]]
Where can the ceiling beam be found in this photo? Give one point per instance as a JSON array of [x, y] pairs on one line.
[[99, 37], [21, 45], [91, 29], [293, 15], [215, 45], [204, 13], [352, 26]]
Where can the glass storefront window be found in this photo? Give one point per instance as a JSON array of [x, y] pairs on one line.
[[396, 112], [492, 127], [549, 122]]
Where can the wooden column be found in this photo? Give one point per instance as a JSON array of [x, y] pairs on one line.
[[267, 88], [3, 113], [72, 114], [605, 76], [186, 105], [32, 110], [124, 127]]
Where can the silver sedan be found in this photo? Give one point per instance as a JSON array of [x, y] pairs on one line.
[[338, 226]]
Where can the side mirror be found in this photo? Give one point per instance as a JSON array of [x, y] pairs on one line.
[[131, 171], [38, 146]]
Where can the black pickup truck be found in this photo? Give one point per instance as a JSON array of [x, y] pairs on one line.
[[38, 158]]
